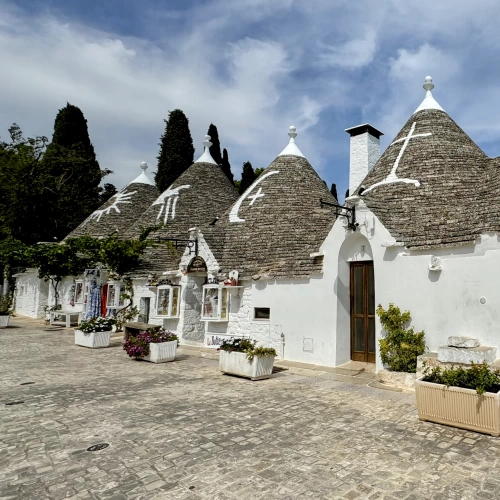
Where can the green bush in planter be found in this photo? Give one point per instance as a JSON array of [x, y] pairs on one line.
[[481, 377], [401, 345], [5, 305]]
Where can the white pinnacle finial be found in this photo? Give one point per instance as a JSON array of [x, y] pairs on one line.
[[428, 85], [206, 157], [143, 178], [429, 102], [292, 148], [207, 142]]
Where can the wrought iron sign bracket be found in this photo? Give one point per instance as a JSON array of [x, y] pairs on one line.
[[192, 245], [341, 211]]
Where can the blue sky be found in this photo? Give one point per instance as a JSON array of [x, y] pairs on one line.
[[252, 67]]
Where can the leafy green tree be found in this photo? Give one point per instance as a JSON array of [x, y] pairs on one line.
[[106, 192], [176, 150], [333, 190], [215, 147], [247, 177], [22, 205], [70, 174], [226, 166], [258, 171]]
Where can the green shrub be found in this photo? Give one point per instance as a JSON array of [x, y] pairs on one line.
[[479, 376], [5, 305], [247, 346], [401, 346]]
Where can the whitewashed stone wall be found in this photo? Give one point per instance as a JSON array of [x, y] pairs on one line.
[[241, 322], [30, 295], [191, 327]]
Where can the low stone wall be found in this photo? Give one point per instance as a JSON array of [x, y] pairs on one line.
[[399, 379]]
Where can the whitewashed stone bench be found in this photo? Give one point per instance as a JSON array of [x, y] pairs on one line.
[[70, 318]]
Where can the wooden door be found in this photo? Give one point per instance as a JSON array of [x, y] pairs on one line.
[[362, 291]]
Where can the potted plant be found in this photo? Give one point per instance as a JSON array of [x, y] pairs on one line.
[[157, 346], [94, 332], [242, 357], [5, 312], [468, 398]]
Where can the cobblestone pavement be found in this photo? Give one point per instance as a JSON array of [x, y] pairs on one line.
[[182, 430]]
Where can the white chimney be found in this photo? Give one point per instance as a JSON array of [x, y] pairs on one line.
[[365, 151]]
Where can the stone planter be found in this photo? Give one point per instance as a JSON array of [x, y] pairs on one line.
[[458, 407], [161, 352], [236, 363], [94, 340], [4, 321]]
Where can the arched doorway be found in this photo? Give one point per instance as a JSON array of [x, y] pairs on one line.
[[355, 289]]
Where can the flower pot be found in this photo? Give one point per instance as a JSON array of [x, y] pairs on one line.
[[458, 407], [93, 340], [236, 363], [161, 352], [4, 321]]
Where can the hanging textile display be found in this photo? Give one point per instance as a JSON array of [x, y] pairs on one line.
[[94, 302], [104, 298]]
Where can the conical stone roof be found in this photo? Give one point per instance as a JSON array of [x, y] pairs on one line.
[[198, 196], [428, 186], [121, 210], [275, 226]]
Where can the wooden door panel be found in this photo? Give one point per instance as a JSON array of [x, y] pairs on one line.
[[362, 292]]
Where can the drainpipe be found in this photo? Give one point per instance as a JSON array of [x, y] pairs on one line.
[[282, 346]]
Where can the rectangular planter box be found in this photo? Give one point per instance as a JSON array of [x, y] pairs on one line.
[[4, 321], [458, 407], [161, 352], [236, 363], [93, 340]]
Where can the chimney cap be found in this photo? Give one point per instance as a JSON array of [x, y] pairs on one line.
[[361, 129]]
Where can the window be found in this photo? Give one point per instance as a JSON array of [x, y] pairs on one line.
[[215, 303], [115, 299], [262, 313], [79, 292], [167, 301], [144, 305]]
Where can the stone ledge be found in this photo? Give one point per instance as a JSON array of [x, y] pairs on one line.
[[398, 379], [467, 355], [457, 341]]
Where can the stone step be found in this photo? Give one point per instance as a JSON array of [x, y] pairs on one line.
[[461, 341], [466, 355]]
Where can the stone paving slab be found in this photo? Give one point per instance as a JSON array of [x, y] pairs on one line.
[[182, 430]]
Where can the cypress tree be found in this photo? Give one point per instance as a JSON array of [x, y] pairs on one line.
[[215, 147], [70, 174], [247, 177], [226, 166], [333, 190], [176, 150]]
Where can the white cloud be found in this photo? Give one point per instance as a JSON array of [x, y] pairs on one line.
[[354, 53], [253, 68]]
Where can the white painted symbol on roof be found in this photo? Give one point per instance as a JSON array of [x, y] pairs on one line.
[[168, 201], [233, 215], [122, 197], [392, 177], [254, 197]]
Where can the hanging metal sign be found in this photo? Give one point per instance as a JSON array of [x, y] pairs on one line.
[[197, 265]]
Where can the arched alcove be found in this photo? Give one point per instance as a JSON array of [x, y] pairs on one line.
[[356, 248]]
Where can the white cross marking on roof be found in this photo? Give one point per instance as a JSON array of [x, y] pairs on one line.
[[392, 177], [121, 197], [233, 215], [171, 197], [255, 196]]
